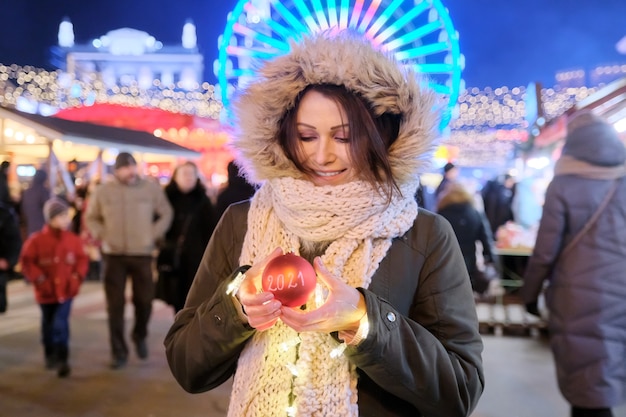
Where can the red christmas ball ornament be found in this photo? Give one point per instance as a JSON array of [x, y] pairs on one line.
[[291, 279]]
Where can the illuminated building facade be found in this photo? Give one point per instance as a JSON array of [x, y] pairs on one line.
[[126, 57]]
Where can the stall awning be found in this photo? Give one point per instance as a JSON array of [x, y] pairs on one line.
[[97, 135], [608, 102]]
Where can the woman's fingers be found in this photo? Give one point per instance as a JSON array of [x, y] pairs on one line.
[[323, 273], [262, 310]]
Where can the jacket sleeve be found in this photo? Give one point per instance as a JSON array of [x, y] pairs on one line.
[[164, 212], [207, 336], [28, 259], [548, 244], [93, 216], [430, 357]]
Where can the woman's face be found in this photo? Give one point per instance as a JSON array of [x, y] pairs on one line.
[[185, 178], [324, 136]]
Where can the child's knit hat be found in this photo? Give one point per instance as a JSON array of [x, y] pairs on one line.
[[54, 207]]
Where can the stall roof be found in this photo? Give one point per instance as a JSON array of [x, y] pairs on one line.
[[608, 102], [97, 135]]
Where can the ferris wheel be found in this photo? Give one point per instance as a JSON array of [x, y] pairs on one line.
[[419, 33]]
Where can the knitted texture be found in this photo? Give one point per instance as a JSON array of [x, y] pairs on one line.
[[361, 227]]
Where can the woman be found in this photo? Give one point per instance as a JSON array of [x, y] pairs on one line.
[[470, 226], [188, 235], [586, 279], [336, 133]]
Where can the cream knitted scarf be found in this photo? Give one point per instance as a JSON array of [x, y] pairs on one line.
[[281, 372]]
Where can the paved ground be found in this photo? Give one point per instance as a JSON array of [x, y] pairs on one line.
[[519, 371]]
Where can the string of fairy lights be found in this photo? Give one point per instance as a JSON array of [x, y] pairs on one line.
[[59, 90], [486, 109], [487, 124]]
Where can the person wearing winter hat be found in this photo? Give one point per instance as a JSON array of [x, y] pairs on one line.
[[335, 133], [53, 259], [450, 173], [580, 253], [128, 215]]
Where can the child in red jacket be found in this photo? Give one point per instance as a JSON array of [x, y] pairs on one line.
[[53, 259]]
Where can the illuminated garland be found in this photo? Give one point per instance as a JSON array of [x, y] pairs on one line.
[[504, 108], [487, 125], [60, 90]]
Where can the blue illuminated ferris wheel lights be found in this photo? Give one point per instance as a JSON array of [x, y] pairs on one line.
[[383, 18], [308, 17], [240, 29], [319, 13], [402, 22], [408, 37], [290, 18], [427, 43]]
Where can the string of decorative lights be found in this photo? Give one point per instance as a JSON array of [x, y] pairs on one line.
[[59, 90], [487, 125], [478, 110]]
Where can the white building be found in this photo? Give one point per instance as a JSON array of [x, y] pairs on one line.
[[126, 56]]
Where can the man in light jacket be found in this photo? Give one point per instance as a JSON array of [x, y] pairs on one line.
[[128, 214]]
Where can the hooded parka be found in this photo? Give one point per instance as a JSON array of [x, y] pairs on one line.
[[586, 287], [422, 355]]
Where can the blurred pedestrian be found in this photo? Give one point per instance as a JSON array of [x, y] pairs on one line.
[[580, 257], [450, 175], [91, 245], [54, 261], [10, 246], [5, 192], [498, 195], [238, 189], [456, 204], [33, 199], [185, 241], [128, 215]]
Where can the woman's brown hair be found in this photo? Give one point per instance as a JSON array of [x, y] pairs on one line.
[[370, 135]]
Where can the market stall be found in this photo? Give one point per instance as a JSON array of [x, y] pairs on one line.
[[31, 140]]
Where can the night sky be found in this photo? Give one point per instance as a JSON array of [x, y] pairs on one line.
[[505, 42]]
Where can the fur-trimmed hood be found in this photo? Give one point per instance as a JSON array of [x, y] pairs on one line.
[[340, 58]]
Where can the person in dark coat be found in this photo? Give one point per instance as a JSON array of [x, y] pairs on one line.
[[450, 173], [470, 226], [238, 189], [498, 197], [585, 290], [5, 194], [10, 246], [33, 199], [185, 241]]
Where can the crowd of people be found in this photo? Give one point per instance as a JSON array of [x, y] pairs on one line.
[[108, 232]]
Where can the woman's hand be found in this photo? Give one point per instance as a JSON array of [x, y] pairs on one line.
[[343, 309], [260, 307]]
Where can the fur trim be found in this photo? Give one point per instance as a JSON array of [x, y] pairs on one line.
[[340, 58]]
